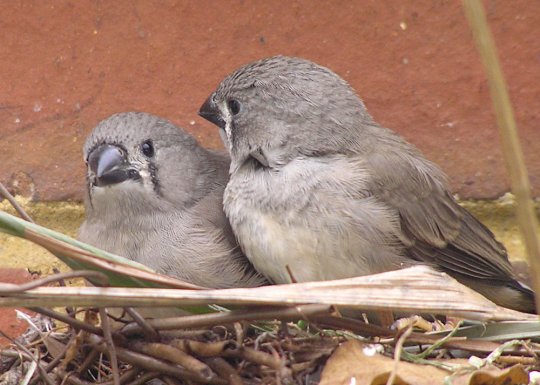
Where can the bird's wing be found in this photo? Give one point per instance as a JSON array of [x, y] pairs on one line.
[[435, 228]]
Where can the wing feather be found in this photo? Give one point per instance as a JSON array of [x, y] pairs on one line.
[[435, 228]]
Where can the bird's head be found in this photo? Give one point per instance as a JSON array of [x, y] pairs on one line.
[[275, 109], [135, 158]]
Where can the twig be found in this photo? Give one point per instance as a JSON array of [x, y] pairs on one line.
[[239, 332], [88, 361], [16, 355], [8, 288], [397, 354], [284, 372], [44, 376], [31, 370], [70, 378], [110, 344], [493, 356], [421, 357], [353, 325], [170, 381], [56, 360], [177, 356], [61, 282], [440, 342], [5, 193], [255, 356], [461, 343], [146, 362], [224, 369], [75, 323], [179, 333], [512, 150], [143, 379], [513, 360], [202, 349], [291, 275], [150, 333], [530, 350], [289, 313]]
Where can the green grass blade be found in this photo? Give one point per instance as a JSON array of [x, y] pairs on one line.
[[120, 271], [16, 226], [81, 256]]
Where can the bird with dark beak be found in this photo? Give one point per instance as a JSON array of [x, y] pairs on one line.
[[320, 190], [108, 165], [155, 196]]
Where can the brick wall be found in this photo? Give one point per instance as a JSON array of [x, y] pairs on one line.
[[65, 65]]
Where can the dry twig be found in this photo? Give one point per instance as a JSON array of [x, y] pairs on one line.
[[513, 153], [7, 288], [5, 193], [111, 349], [397, 354]]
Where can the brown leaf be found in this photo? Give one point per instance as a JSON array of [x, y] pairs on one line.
[[351, 365], [415, 289], [495, 376], [54, 347]]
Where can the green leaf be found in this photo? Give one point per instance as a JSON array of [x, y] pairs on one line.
[[500, 331], [79, 255], [11, 225]]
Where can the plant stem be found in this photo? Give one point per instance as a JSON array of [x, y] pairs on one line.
[[513, 154]]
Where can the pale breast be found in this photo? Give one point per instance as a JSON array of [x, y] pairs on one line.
[[274, 247], [311, 217]]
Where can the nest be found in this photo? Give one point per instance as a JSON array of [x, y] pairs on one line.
[[221, 348], [237, 354]]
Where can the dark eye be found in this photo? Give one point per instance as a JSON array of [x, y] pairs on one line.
[[234, 106], [147, 148]]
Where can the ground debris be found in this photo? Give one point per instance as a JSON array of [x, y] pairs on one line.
[[355, 360], [265, 352]]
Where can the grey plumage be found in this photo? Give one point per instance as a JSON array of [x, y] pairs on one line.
[[155, 196], [319, 186]]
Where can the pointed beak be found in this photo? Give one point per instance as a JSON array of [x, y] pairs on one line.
[[109, 165], [210, 112]]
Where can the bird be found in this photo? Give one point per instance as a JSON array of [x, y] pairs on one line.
[[154, 196], [318, 190]]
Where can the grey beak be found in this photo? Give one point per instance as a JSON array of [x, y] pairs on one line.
[[210, 112], [109, 165]]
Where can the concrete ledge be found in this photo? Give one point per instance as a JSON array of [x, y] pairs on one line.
[[66, 217], [65, 65]]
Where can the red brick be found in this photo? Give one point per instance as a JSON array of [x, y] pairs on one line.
[[9, 324], [65, 65]]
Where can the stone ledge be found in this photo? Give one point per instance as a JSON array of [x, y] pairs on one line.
[[66, 217], [413, 62]]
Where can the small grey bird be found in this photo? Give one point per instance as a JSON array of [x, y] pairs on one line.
[[319, 187], [155, 196]]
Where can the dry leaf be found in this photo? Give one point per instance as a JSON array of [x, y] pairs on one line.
[[411, 290], [353, 363], [495, 376], [54, 347]]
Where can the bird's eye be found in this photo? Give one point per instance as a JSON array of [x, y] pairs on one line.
[[234, 106], [147, 148]]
